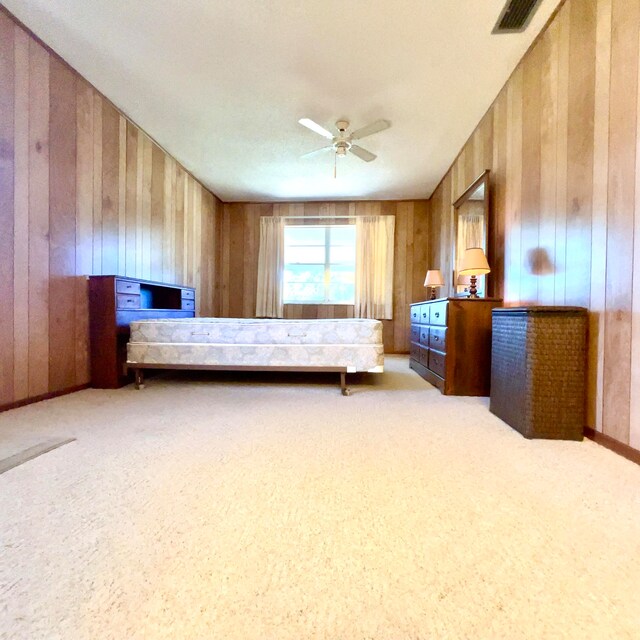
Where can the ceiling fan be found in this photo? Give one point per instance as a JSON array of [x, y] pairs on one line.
[[342, 143]]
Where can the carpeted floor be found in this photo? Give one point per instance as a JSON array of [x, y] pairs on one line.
[[199, 509]]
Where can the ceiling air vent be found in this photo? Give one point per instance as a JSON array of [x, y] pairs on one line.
[[515, 16]]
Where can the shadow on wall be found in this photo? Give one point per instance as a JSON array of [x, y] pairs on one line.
[[539, 263]]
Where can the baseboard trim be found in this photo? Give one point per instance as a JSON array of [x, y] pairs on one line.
[[44, 396], [608, 442]]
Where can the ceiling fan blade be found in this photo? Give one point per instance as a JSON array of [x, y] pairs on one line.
[[316, 151], [363, 154], [370, 129], [314, 126]]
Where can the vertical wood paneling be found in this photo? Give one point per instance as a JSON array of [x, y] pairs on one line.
[[122, 194], [157, 211], [139, 174], [21, 219], [38, 286], [147, 165], [167, 220], [580, 150], [82, 191], [530, 188], [622, 158], [131, 203], [513, 244], [110, 186], [84, 224], [634, 407], [544, 263], [498, 205], [599, 217], [97, 183], [7, 132], [564, 29], [62, 226]]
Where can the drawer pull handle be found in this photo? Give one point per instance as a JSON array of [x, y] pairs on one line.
[[129, 300], [436, 338], [437, 314]]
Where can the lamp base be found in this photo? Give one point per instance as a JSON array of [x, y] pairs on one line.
[[473, 290], [433, 293]]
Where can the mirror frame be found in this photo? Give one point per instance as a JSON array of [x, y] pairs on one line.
[[482, 179]]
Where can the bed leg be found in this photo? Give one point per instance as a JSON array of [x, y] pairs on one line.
[[139, 382], [343, 384]]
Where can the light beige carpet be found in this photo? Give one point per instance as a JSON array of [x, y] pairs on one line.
[[225, 510]]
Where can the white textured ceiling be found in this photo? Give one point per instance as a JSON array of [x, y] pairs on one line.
[[221, 84]]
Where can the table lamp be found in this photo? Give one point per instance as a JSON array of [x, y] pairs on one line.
[[474, 263], [433, 280]]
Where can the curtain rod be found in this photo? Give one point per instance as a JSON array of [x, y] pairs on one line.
[[328, 217], [318, 217]]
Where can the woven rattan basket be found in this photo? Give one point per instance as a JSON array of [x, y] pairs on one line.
[[538, 370]]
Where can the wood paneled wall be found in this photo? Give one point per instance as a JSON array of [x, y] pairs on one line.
[[238, 260], [82, 191], [562, 142]]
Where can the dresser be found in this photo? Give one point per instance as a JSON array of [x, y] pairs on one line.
[[114, 302], [451, 344]]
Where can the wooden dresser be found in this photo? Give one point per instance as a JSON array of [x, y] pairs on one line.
[[451, 344], [116, 301]]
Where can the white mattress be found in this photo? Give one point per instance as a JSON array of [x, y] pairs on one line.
[[352, 343], [250, 331]]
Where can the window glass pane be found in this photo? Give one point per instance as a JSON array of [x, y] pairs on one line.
[[342, 283], [303, 283], [304, 274], [343, 254], [343, 234], [312, 235], [304, 254]]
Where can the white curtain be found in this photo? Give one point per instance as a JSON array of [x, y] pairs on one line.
[[374, 267], [270, 268]]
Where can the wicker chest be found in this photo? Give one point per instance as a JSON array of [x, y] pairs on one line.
[[538, 370]]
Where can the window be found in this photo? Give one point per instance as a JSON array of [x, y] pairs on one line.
[[319, 264]]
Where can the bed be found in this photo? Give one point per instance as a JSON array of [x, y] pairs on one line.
[[332, 345]]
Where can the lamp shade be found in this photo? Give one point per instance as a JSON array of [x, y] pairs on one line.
[[474, 263], [463, 281], [434, 278]]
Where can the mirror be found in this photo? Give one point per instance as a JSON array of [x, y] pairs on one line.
[[470, 229]]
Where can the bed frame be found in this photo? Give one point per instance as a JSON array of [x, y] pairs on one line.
[[139, 367]]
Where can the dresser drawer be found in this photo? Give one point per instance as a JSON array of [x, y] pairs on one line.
[[415, 313], [123, 286], [125, 301], [424, 357], [424, 313], [438, 338], [188, 304], [436, 362], [415, 333], [424, 336], [188, 294], [415, 352], [438, 313]]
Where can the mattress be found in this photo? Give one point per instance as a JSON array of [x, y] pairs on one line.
[[352, 343]]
